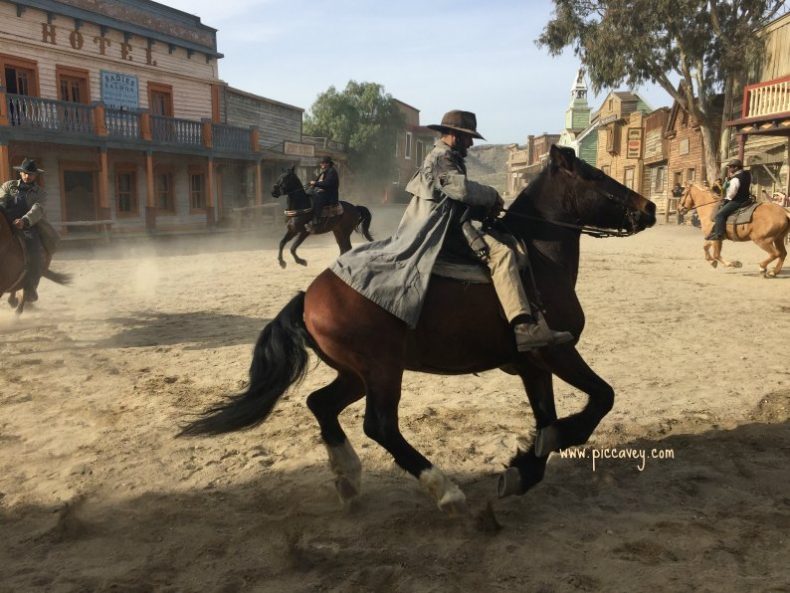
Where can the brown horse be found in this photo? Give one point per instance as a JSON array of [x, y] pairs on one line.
[[461, 330], [12, 265], [299, 207], [768, 228]]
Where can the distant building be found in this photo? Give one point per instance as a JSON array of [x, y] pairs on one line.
[[524, 163], [411, 146], [577, 116]]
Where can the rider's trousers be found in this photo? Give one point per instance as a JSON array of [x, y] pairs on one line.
[[503, 265]]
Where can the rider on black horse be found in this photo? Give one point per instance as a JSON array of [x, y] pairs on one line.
[[324, 190]]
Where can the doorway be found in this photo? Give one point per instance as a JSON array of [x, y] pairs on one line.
[[79, 195]]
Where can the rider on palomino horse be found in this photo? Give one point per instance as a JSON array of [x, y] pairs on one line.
[[325, 191], [395, 272], [737, 196], [21, 202]]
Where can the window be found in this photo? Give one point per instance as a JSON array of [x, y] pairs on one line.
[[19, 76], [628, 177], [691, 175], [407, 149], [72, 84], [678, 178], [160, 99], [197, 191], [660, 179], [420, 151], [163, 190], [126, 192]]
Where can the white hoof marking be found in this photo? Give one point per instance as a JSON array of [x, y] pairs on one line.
[[445, 492], [347, 468]]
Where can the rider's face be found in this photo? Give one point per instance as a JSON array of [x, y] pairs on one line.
[[27, 177]]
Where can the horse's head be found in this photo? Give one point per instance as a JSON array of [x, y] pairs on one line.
[[591, 199], [694, 196], [286, 183]]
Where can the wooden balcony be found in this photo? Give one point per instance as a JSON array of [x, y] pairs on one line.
[[27, 118], [766, 99]]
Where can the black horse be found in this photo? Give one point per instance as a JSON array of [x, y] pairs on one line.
[[461, 330], [299, 212]]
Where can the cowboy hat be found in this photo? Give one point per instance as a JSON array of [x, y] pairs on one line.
[[735, 164], [328, 160], [458, 121], [29, 166]]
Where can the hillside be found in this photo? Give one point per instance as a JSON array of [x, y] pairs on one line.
[[488, 164]]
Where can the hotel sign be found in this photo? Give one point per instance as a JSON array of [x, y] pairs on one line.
[[298, 149], [119, 90], [634, 146]]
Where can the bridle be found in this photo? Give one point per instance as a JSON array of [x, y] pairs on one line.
[[586, 229], [299, 188]]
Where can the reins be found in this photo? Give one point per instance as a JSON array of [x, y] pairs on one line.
[[592, 231]]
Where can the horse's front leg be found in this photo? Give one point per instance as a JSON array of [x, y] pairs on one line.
[[12, 300], [21, 303], [289, 234], [299, 240], [568, 365], [526, 468], [717, 245]]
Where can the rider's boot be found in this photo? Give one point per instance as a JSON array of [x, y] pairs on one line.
[[533, 332]]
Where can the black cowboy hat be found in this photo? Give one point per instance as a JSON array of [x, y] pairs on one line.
[[328, 160], [29, 166], [458, 121]]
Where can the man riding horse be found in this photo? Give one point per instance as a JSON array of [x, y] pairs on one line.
[[738, 194], [20, 200], [324, 191], [395, 273]]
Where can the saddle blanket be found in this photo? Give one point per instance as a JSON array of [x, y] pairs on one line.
[[743, 215]]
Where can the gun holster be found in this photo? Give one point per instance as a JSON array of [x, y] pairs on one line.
[[473, 236]]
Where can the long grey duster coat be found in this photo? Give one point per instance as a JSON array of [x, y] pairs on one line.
[[394, 273]]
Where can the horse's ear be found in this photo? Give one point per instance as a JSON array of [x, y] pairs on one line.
[[561, 157]]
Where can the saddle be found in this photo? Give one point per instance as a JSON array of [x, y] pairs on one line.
[[743, 215], [471, 269], [329, 211]]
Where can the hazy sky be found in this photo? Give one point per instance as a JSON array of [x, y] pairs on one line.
[[435, 55]]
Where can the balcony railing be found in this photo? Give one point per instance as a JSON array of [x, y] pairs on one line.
[[766, 98], [230, 138], [76, 119], [122, 124], [50, 115], [171, 130]]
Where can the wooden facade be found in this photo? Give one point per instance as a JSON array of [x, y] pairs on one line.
[[119, 102], [524, 163], [655, 180], [758, 114]]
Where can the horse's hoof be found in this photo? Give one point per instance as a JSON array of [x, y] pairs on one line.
[[282, 264], [547, 441], [13, 301], [714, 263], [736, 264], [509, 483], [453, 503], [346, 490], [301, 262]]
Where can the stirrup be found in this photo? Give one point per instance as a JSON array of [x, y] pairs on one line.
[[530, 336]]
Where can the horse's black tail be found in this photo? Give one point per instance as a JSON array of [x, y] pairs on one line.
[[363, 226], [57, 277], [278, 361]]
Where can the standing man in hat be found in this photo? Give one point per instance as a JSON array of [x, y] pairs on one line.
[[395, 272], [737, 194], [21, 202], [325, 190]]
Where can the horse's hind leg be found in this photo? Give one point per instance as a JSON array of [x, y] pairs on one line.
[[779, 244], [342, 236], [13, 301], [289, 234], [383, 387], [774, 250], [326, 404], [527, 468]]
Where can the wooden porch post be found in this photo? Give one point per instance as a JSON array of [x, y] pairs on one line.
[[258, 184], [210, 193], [150, 197], [5, 168], [3, 110], [742, 146], [104, 185]]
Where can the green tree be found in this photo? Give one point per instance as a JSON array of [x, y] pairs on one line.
[[367, 121], [708, 45]]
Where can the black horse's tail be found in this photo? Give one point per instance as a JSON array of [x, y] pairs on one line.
[[363, 226], [57, 277], [278, 361]]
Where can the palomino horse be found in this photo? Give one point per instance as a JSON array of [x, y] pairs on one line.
[[769, 226], [299, 211], [461, 330], [12, 266]]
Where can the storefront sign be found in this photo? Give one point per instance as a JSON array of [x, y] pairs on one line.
[[298, 149], [634, 148], [120, 90]]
